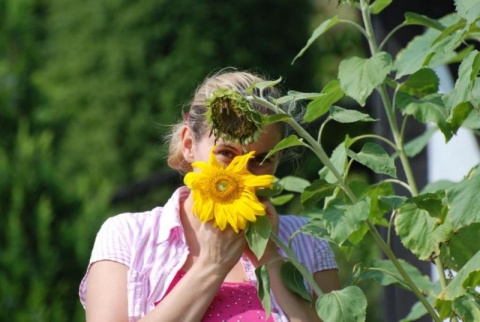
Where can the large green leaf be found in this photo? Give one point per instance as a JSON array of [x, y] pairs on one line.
[[320, 30], [346, 305], [422, 83], [385, 273], [467, 308], [468, 277], [431, 202], [464, 202], [422, 49], [467, 75], [342, 219], [293, 279], [343, 115], [468, 9], [263, 287], [339, 161], [316, 227], [378, 208], [258, 234], [331, 93], [359, 76], [426, 109], [461, 247], [420, 232], [317, 191], [376, 158]]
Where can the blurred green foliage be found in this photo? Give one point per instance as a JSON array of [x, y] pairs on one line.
[[87, 90]]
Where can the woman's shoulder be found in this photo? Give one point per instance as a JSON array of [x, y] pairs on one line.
[[145, 222]]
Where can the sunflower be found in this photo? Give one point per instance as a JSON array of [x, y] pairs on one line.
[[227, 107], [226, 195]]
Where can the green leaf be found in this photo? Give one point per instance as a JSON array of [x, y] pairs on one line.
[[258, 234], [468, 9], [342, 115], [320, 30], [458, 115], [346, 305], [293, 279], [295, 184], [431, 202], [316, 228], [264, 288], [464, 202], [417, 311], [472, 121], [394, 202], [420, 232], [467, 75], [270, 192], [461, 247], [274, 118], [420, 49], [300, 96], [468, 277], [385, 273], [315, 192], [331, 93], [339, 161], [412, 18], [415, 146], [266, 84], [287, 142], [283, 199], [421, 83], [342, 219], [359, 76], [467, 308], [378, 5], [374, 157], [426, 109]]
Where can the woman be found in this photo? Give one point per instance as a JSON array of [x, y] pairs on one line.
[[167, 265]]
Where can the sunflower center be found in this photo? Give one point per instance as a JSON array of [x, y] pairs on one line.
[[225, 187]]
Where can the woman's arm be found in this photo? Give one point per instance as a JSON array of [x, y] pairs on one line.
[[107, 292], [106, 297]]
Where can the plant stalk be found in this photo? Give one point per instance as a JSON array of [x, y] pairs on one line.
[[292, 258]]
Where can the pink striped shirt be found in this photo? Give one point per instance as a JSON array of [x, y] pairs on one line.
[[152, 244]]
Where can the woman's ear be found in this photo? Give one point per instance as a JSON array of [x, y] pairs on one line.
[[187, 144]]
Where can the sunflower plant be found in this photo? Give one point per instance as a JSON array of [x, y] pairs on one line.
[[438, 224]]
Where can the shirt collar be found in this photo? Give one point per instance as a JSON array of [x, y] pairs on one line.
[[170, 217]]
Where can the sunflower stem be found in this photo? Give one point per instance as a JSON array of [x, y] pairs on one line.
[[301, 268]]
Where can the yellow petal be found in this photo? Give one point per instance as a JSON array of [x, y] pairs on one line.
[[265, 180], [239, 162]]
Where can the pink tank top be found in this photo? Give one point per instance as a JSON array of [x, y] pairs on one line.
[[233, 302]]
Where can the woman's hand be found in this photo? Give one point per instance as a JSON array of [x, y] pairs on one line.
[[220, 248]]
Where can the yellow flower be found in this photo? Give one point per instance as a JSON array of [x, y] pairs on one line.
[[226, 195]]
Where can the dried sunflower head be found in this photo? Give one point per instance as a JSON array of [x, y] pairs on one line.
[[231, 117]]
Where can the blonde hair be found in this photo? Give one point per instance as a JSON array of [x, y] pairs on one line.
[[195, 117]]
